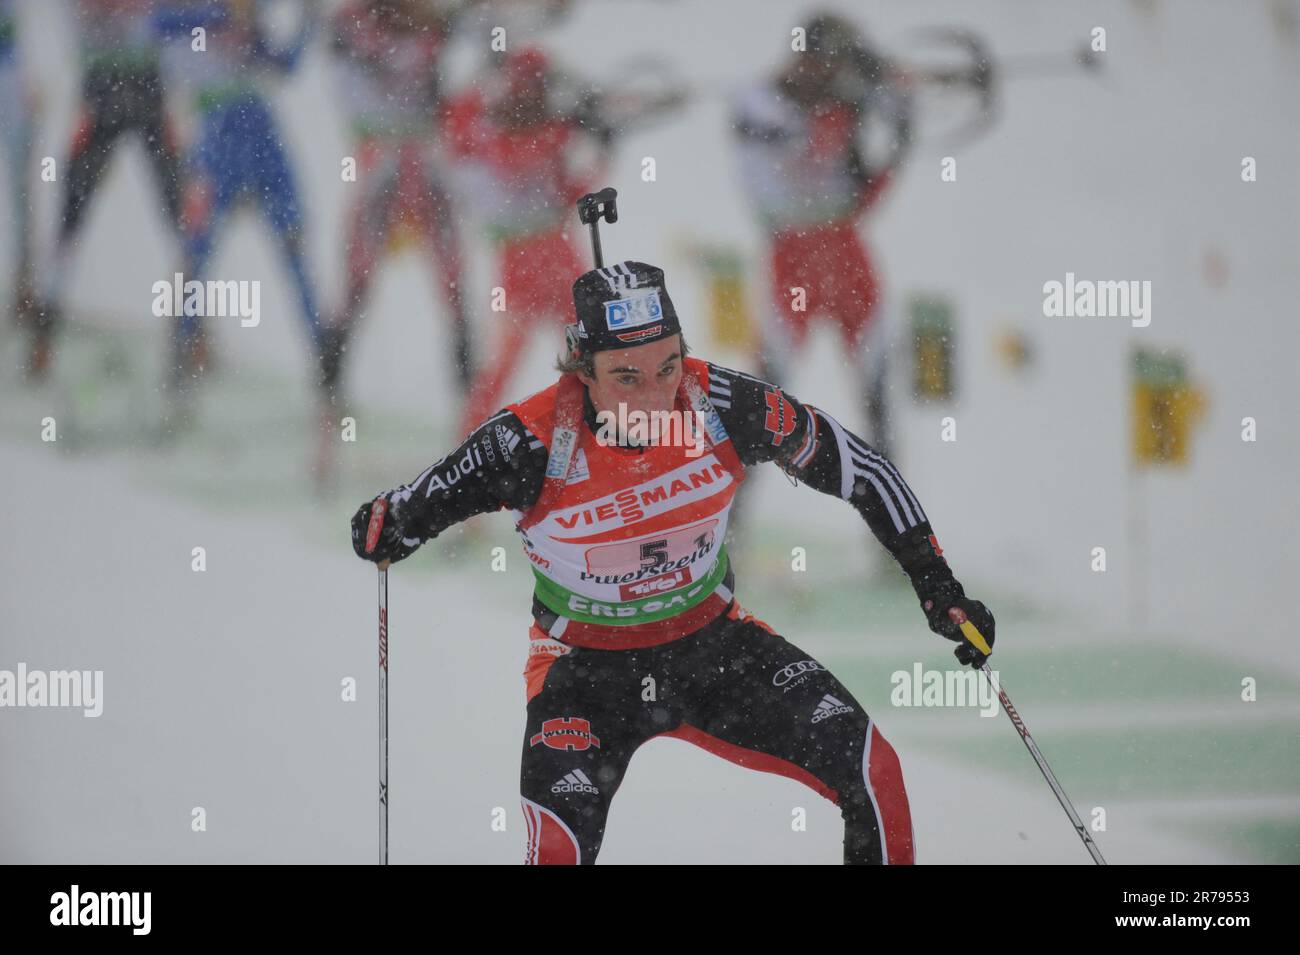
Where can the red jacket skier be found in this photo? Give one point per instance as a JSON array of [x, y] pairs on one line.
[[806, 165]]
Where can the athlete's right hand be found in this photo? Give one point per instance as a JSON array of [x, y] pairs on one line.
[[392, 544]]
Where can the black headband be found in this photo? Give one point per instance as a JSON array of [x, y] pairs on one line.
[[619, 306]]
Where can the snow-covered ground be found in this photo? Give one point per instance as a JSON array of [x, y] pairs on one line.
[[222, 689]]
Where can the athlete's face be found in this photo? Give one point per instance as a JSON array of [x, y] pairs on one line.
[[644, 378]]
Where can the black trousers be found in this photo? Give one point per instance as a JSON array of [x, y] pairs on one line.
[[733, 687], [116, 101]]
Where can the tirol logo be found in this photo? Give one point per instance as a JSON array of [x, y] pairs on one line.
[[642, 309], [566, 732], [780, 416], [794, 671], [655, 585]]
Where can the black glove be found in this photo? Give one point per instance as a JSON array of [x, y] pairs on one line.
[[393, 545], [946, 607]]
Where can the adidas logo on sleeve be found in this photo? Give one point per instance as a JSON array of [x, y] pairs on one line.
[[575, 782], [828, 707]]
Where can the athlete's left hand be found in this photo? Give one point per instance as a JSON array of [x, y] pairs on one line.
[[946, 608]]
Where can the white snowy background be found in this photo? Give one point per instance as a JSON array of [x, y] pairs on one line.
[[222, 689]]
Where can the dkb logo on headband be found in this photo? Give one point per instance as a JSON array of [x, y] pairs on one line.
[[632, 312]]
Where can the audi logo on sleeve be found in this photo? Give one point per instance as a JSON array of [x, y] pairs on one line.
[[786, 674]]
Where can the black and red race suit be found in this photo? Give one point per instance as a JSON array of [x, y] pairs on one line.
[[636, 630]]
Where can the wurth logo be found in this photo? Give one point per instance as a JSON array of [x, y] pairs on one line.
[[566, 732], [780, 418]]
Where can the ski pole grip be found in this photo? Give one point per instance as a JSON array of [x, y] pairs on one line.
[[377, 513], [969, 630]]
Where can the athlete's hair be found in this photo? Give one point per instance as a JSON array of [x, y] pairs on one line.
[[585, 364]]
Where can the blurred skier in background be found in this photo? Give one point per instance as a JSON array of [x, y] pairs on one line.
[[525, 158], [811, 176], [529, 141], [237, 154], [121, 92], [388, 52], [16, 124]]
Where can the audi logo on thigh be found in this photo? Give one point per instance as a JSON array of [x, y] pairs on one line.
[[786, 674]]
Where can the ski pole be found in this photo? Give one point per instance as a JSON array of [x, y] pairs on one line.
[[377, 513], [976, 639]]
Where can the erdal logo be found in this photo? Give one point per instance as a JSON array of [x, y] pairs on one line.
[[566, 732], [680, 599], [635, 504], [102, 908]]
